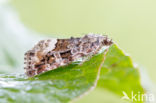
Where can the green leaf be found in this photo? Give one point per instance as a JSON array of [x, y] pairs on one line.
[[118, 75], [57, 86]]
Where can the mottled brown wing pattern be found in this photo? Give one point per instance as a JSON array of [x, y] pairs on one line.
[[44, 57]]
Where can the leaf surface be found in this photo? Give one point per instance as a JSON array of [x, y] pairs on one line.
[[57, 86], [118, 76]]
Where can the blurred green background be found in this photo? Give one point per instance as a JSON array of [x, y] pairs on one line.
[[130, 23]]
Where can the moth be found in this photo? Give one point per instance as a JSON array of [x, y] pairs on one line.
[[48, 55]]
